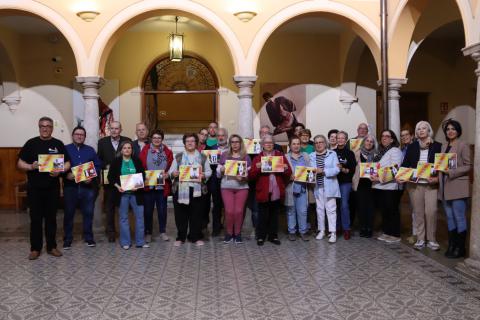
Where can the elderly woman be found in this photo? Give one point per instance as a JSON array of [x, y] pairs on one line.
[[188, 195], [327, 189], [455, 189], [424, 193], [124, 164], [234, 189], [156, 156], [270, 191], [296, 193], [388, 193], [363, 187]]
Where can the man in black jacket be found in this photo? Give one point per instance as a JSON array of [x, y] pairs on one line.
[[107, 150]]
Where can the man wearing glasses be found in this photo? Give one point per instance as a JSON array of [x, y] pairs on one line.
[[43, 188]]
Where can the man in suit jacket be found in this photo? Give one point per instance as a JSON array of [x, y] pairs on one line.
[[142, 138], [107, 150]]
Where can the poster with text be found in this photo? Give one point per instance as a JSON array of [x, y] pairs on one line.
[[190, 173], [51, 163], [154, 178], [236, 168], [84, 172], [305, 174], [272, 164], [131, 181]]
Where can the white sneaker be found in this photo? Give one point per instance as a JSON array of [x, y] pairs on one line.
[[177, 243], [433, 245], [320, 235], [332, 238], [392, 239], [419, 244], [164, 237], [144, 246], [199, 243], [126, 247], [383, 237]]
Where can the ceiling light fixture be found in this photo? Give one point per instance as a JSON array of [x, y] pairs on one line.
[[176, 44], [88, 16], [245, 16]]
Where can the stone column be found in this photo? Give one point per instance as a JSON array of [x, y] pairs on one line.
[[91, 124], [472, 264], [245, 108], [394, 86], [90, 95]]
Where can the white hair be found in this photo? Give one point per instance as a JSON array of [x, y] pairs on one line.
[[429, 127]]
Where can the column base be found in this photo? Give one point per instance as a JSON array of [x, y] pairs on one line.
[[470, 266]]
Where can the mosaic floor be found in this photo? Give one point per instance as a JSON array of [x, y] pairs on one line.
[[358, 279]]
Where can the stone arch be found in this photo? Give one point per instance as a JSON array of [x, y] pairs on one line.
[[361, 24], [56, 20], [110, 33]]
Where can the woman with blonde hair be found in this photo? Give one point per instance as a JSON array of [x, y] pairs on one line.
[[424, 193]]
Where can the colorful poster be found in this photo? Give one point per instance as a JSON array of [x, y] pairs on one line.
[[50, 163], [445, 161], [404, 174], [236, 168], [385, 174], [154, 178], [272, 164], [305, 174], [190, 173], [369, 169], [105, 176], [355, 144], [424, 170], [252, 146], [212, 156], [83, 172], [131, 181]]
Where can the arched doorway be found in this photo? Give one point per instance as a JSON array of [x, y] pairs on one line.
[[179, 96]]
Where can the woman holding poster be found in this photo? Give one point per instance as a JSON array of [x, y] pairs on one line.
[[126, 164], [156, 156], [455, 189], [270, 191], [234, 187]]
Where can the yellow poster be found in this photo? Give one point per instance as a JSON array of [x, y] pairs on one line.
[[305, 174], [50, 163], [131, 181], [369, 169], [83, 172], [404, 174], [355, 144], [190, 173], [445, 161], [385, 174], [236, 168], [212, 156], [272, 164], [424, 170], [154, 178], [252, 146]]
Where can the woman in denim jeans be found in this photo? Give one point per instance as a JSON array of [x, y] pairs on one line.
[[125, 164], [296, 195]]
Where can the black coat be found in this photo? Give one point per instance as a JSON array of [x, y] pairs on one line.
[[114, 178], [413, 154], [105, 152]]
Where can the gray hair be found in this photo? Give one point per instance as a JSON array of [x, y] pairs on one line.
[[344, 133], [267, 137], [321, 136], [375, 142], [266, 126], [429, 127], [225, 131]]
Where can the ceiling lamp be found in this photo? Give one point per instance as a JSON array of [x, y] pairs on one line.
[[176, 44], [245, 16], [88, 16]]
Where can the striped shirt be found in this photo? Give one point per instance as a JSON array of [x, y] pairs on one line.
[[320, 162]]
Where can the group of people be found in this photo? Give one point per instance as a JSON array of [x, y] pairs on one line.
[[335, 195]]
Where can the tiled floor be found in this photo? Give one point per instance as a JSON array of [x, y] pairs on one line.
[[358, 279]]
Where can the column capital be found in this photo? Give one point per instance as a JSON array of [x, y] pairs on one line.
[[12, 102], [90, 81], [245, 81], [474, 52], [394, 83]]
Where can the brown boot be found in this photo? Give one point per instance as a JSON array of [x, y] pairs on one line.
[[34, 255], [55, 252]]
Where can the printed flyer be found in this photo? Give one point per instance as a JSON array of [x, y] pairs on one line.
[[84, 172], [236, 168], [131, 181], [50, 163], [154, 178], [190, 173], [272, 164]]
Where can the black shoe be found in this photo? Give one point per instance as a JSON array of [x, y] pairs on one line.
[[228, 238], [90, 243], [363, 233], [459, 251], [452, 240], [275, 241], [67, 245], [111, 238], [260, 242]]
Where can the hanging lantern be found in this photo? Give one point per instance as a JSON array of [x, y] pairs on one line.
[[176, 44]]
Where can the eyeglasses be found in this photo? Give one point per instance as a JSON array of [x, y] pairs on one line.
[[320, 142], [156, 138], [79, 134], [45, 126]]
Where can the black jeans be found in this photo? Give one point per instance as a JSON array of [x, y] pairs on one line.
[[268, 219], [43, 203], [188, 217], [365, 207], [214, 192], [109, 203], [389, 201]]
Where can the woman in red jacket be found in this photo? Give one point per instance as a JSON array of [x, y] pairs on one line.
[[270, 191], [156, 156]]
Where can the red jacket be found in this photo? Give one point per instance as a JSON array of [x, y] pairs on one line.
[[143, 157], [262, 179]]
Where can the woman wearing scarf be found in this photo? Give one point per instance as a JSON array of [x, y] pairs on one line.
[[424, 193], [188, 196], [388, 193], [363, 187], [269, 192], [296, 195], [156, 156]]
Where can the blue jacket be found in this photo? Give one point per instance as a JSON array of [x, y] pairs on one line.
[[331, 170], [82, 155]]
